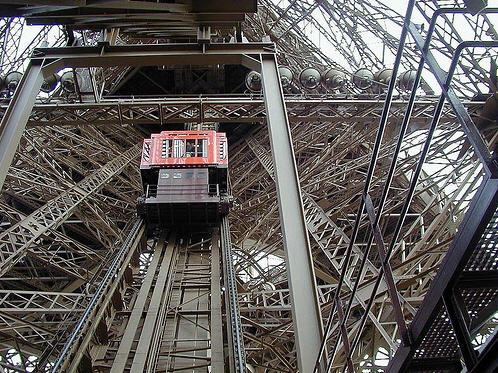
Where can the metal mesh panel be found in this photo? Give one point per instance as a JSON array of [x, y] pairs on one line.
[[440, 342], [476, 299], [485, 256], [440, 339]]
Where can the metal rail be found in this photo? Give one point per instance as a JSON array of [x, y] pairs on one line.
[[88, 316], [476, 141], [231, 289], [371, 169], [478, 223]]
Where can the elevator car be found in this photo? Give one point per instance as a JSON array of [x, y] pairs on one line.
[[184, 178]]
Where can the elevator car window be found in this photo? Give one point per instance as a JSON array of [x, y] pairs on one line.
[[179, 148], [190, 148]]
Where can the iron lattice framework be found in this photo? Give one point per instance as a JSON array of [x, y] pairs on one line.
[[68, 202]]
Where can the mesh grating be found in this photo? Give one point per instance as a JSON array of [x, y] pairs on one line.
[[476, 299], [440, 342], [440, 339], [485, 256]]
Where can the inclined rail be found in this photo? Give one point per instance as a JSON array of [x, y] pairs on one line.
[[75, 345], [175, 270], [235, 325]]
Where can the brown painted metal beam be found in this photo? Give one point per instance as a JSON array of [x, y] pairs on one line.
[[306, 313]]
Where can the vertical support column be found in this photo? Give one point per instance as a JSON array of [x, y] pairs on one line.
[[216, 329], [14, 121], [308, 328]]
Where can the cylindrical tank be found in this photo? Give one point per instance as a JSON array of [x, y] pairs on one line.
[[285, 76], [68, 83], [253, 81], [12, 80], [333, 79], [310, 78], [363, 79], [406, 80], [49, 84], [267, 286], [382, 79]]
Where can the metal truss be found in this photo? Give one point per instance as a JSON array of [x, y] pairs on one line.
[[17, 239], [69, 183], [370, 41], [234, 110], [67, 208], [251, 175], [366, 34], [255, 191], [32, 302], [14, 54], [325, 205]]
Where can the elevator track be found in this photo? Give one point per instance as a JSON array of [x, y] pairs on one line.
[[162, 307]]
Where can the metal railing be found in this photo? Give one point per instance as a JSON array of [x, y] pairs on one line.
[[484, 203]]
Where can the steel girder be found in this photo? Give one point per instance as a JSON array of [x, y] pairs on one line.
[[229, 110], [17, 239], [432, 215], [331, 171], [306, 313]]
